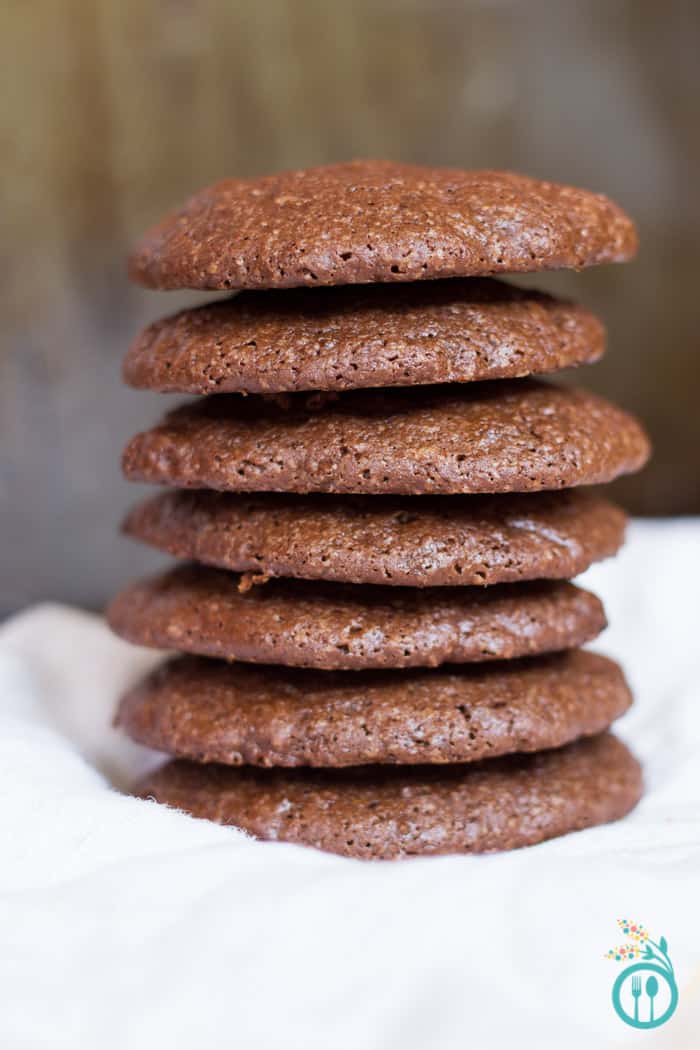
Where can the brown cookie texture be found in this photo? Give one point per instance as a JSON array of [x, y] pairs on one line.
[[371, 221], [509, 436], [211, 711], [370, 336], [429, 542], [299, 623], [382, 812]]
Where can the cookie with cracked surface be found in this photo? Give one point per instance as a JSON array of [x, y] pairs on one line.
[[298, 623], [382, 812], [428, 542], [510, 436], [211, 711], [372, 336], [369, 221]]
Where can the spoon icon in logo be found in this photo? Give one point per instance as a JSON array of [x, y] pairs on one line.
[[652, 988]]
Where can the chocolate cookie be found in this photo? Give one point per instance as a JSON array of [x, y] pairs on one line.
[[299, 623], [369, 221], [211, 711], [369, 336], [515, 436], [427, 542], [380, 812]]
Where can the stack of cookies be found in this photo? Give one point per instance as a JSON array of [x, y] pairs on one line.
[[379, 513]]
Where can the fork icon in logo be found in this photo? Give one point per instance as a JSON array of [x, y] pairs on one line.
[[636, 992]]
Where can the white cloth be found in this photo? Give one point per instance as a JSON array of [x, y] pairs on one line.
[[125, 924]]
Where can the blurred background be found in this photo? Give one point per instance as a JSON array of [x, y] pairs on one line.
[[115, 110]]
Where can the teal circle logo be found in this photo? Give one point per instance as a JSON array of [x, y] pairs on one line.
[[645, 994]]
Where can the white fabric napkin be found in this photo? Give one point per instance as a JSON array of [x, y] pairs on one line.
[[125, 924]]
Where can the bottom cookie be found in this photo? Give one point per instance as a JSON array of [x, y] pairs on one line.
[[377, 812]]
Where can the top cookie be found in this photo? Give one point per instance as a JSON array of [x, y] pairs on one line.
[[369, 221]]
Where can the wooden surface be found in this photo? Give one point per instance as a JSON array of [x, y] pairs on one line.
[[114, 111]]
